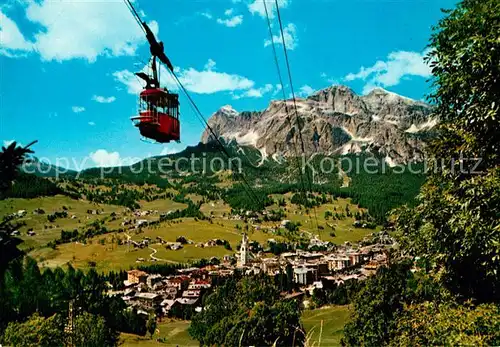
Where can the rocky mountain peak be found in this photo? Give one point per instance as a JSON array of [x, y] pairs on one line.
[[381, 122], [228, 110], [341, 99]]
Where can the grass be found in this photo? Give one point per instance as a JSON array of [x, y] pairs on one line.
[[328, 322], [344, 231], [111, 256], [162, 206], [215, 208], [194, 198], [189, 253], [200, 231], [173, 331], [78, 208], [176, 334]]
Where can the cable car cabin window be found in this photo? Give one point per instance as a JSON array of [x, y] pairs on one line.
[[173, 105]]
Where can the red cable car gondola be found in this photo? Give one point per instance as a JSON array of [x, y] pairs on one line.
[[158, 117]]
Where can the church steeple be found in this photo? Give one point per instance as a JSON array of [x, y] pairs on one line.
[[244, 250]]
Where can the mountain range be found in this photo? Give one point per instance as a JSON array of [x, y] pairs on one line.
[[332, 121]]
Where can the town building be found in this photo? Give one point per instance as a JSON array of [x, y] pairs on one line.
[[148, 300], [244, 253], [136, 276]]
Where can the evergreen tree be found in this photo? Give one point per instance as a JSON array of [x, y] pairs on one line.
[[11, 157], [151, 325]]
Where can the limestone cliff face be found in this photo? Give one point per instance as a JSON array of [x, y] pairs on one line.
[[380, 122]]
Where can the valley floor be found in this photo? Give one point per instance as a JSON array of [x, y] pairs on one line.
[[111, 251]]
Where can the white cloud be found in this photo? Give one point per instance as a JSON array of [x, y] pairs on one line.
[[85, 29], [277, 89], [103, 100], [255, 92], [390, 72], [131, 81], [12, 41], [332, 81], [210, 65], [290, 36], [231, 22], [206, 15], [305, 91], [168, 151], [257, 7], [78, 109], [91, 124], [207, 81], [103, 158]]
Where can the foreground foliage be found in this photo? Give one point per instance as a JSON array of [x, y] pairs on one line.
[[88, 330], [381, 299], [24, 291], [36, 331], [456, 225], [248, 312], [429, 324], [454, 230]]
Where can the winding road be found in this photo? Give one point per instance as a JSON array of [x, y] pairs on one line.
[[152, 255]]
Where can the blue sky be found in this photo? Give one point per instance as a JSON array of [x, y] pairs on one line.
[[66, 66]]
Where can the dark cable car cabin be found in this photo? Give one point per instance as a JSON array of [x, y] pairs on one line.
[[158, 115]]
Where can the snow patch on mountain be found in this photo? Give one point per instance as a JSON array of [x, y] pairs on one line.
[[248, 139], [431, 123], [345, 122], [229, 110], [390, 161]]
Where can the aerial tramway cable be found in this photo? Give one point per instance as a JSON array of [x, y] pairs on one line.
[[214, 135], [275, 54], [292, 90], [134, 14]]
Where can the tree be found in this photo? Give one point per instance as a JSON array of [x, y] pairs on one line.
[[428, 324], [455, 224], [151, 325], [381, 299], [36, 331], [91, 331], [248, 312], [11, 157], [25, 290]]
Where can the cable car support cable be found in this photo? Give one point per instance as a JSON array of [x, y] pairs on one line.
[[293, 93], [214, 135], [288, 118], [157, 51]]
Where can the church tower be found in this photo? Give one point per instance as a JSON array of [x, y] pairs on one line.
[[244, 251]]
